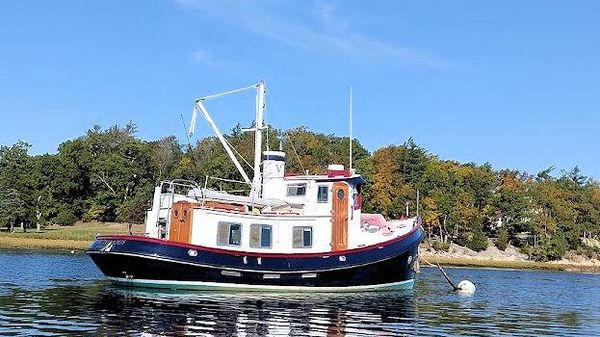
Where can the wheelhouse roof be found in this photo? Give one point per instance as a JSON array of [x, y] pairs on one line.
[[355, 179]]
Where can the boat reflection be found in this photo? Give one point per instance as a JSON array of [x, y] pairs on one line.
[[165, 313]]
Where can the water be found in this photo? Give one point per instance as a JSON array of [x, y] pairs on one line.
[[50, 294]]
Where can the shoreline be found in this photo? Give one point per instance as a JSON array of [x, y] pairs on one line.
[[459, 262], [15, 241], [42, 244], [79, 237]]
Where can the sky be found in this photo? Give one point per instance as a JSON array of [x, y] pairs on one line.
[[512, 83]]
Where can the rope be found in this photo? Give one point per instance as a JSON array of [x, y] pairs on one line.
[[443, 272], [295, 152], [227, 92], [228, 180], [244, 159], [190, 148]]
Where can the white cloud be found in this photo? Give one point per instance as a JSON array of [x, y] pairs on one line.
[[204, 57], [322, 31]]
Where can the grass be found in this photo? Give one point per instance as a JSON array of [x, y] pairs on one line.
[[466, 262], [480, 263], [77, 237]]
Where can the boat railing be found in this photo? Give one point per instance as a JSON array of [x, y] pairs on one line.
[[171, 187], [207, 178]]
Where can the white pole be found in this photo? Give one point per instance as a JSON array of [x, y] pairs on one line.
[[260, 106], [222, 140], [417, 202], [350, 128]]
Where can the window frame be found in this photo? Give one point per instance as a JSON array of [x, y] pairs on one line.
[[297, 185], [260, 227], [228, 243], [319, 187], [304, 230]]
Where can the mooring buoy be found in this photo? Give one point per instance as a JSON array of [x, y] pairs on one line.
[[465, 287]]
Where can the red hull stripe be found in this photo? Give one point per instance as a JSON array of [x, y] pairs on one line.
[[257, 254]]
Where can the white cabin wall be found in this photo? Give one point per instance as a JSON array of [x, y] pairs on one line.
[[153, 214], [273, 175], [313, 206], [205, 227]]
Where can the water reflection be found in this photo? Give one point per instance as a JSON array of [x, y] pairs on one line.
[[177, 314], [103, 310], [71, 299]]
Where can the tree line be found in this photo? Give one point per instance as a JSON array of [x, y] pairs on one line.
[[109, 174]]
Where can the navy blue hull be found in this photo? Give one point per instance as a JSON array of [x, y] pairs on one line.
[[140, 258]]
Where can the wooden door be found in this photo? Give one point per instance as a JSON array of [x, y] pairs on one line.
[[339, 218], [181, 222]]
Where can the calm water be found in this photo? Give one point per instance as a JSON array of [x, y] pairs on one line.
[[49, 294]]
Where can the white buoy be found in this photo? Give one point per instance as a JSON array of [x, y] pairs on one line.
[[465, 287], [72, 252]]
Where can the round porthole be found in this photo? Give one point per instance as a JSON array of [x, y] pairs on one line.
[[192, 252], [341, 194]]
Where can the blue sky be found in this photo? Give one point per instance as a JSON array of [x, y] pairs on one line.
[[513, 83]]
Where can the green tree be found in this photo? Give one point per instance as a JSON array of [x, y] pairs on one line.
[[502, 240]]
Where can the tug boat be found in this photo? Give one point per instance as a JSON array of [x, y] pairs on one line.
[[290, 233]]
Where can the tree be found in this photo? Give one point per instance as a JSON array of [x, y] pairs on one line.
[[108, 174], [16, 183], [479, 240], [502, 240], [12, 208]]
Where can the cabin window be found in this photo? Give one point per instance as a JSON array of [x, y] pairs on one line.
[[323, 193], [302, 237], [260, 236], [296, 190], [229, 234]]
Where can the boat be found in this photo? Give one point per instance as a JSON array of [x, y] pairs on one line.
[[291, 232]]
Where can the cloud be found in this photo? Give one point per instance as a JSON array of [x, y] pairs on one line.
[[321, 30], [204, 57]]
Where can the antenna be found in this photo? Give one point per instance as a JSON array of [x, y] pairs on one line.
[[418, 202], [190, 149], [350, 168]]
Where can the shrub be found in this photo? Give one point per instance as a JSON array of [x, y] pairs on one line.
[[94, 212], [479, 240], [589, 252], [133, 210], [502, 240], [440, 245], [65, 217], [551, 248]]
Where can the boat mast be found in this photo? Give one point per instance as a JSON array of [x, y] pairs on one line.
[[350, 154], [260, 106]]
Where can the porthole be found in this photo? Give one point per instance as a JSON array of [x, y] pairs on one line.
[[342, 258], [341, 194], [192, 252]]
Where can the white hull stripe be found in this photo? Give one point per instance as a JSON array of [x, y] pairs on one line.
[[216, 286]]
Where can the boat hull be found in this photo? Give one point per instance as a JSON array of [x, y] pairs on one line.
[[140, 261]]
